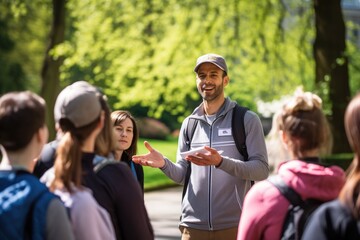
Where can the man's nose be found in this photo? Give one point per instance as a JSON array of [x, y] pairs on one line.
[[207, 79]]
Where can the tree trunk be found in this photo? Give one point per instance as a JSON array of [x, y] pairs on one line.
[[50, 73], [332, 65]]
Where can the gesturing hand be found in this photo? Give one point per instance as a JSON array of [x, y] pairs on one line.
[[212, 157], [153, 158]]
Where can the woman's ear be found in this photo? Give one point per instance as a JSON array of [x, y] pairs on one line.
[[102, 119], [284, 138], [42, 135]]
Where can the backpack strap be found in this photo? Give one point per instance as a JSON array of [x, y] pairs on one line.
[[308, 206], [189, 133], [190, 129], [290, 194], [100, 162], [238, 130], [47, 158]]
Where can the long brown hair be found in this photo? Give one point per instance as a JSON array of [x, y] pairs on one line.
[[105, 143], [68, 161], [118, 117], [349, 195]]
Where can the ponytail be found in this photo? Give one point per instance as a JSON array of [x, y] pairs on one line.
[[68, 163], [68, 166]]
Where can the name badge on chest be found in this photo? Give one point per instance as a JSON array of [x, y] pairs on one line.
[[224, 132]]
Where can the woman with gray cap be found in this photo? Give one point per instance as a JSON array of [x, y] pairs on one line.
[[89, 220], [104, 144], [81, 119]]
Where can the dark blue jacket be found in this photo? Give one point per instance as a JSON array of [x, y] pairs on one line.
[[23, 206]]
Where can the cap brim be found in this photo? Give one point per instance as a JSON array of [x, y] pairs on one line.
[[199, 64]]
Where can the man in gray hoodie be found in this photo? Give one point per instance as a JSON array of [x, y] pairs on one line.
[[220, 177]]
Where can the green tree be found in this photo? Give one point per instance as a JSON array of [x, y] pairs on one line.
[[12, 77], [142, 53], [332, 75], [21, 44], [50, 72]]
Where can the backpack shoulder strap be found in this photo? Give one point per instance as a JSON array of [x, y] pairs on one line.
[[100, 162], [290, 194], [238, 130], [189, 133], [46, 159]]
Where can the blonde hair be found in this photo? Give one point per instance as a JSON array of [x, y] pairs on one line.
[[303, 120], [277, 152]]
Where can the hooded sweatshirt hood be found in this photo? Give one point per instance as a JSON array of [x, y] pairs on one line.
[[312, 180]]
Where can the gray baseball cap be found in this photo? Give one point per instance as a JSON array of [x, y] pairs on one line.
[[78, 103], [213, 58]]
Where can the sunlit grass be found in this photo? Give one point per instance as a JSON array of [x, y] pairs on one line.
[[154, 178]]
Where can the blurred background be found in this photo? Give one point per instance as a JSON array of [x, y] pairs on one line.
[[141, 53]]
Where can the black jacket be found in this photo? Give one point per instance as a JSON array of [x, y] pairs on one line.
[[46, 159], [138, 169], [115, 189], [332, 221]]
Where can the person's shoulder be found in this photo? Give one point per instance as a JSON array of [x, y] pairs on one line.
[[263, 189], [48, 177], [48, 152], [250, 114], [334, 207], [82, 198], [29, 178], [335, 215], [333, 211], [111, 168], [251, 118]]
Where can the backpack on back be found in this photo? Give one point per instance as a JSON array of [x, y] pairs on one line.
[[238, 132], [23, 205], [299, 211]]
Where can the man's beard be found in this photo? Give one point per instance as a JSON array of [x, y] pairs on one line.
[[217, 92]]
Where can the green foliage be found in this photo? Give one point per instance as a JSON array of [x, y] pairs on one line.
[[23, 36], [142, 53], [354, 57]]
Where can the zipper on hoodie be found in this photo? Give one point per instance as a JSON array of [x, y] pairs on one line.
[[210, 182], [210, 174]]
